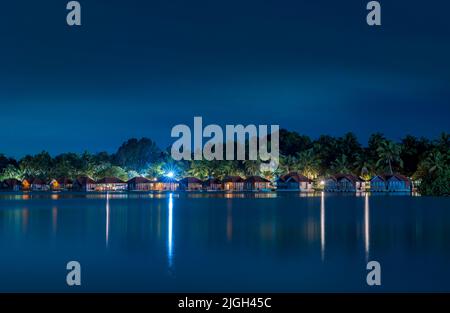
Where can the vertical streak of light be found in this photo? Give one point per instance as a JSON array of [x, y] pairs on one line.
[[107, 219], [322, 225], [366, 226], [170, 231], [54, 219]]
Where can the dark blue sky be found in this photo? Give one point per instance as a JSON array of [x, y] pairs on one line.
[[137, 68]]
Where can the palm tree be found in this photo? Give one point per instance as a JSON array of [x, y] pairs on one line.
[[308, 163], [200, 169], [389, 153], [443, 142], [288, 163], [268, 175], [341, 165], [364, 165], [12, 172], [227, 168], [155, 170], [435, 162], [252, 167]]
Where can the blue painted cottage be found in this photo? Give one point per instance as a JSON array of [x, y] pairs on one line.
[[344, 183], [295, 181], [390, 183]]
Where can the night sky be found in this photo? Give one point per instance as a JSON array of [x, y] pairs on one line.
[[137, 68]]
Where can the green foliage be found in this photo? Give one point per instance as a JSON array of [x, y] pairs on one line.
[[39, 165], [412, 152], [308, 164], [389, 155], [364, 166], [252, 167], [424, 160], [155, 170], [341, 165], [12, 172], [5, 161], [436, 184], [291, 142], [200, 169], [349, 146], [137, 154], [434, 174], [112, 171]]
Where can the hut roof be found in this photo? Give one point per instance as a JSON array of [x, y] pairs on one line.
[[12, 182], [211, 181], [64, 181], [84, 180], [256, 179], [297, 177], [139, 180], [190, 180], [34, 181], [110, 180], [233, 179]]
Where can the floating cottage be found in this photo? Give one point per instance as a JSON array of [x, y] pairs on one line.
[[256, 183], [140, 184], [84, 184], [344, 183], [34, 184], [111, 184], [233, 183], [61, 184], [390, 183], [212, 184], [191, 184], [11, 185], [295, 181]]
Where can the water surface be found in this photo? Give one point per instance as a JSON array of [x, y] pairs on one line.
[[269, 242]]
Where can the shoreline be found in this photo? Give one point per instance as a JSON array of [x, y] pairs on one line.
[[202, 192]]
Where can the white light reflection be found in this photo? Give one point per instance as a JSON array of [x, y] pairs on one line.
[[366, 226], [322, 225], [170, 232], [107, 219]]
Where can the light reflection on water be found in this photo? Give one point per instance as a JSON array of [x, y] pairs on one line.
[[170, 233], [286, 236], [107, 220], [366, 226], [322, 225]]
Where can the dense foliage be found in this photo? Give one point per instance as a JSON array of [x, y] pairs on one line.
[[420, 158]]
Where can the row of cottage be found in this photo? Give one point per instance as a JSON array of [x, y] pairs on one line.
[[87, 184], [347, 183], [291, 181]]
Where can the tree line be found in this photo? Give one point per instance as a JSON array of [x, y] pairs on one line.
[[421, 159]]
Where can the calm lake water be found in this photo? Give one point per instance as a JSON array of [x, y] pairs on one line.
[[269, 242]]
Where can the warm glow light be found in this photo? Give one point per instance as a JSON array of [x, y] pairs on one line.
[[322, 183]]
